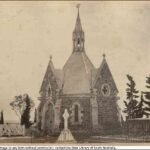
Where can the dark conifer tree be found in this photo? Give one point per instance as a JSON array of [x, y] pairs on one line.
[[2, 118], [25, 118], [131, 100], [147, 98], [35, 115], [139, 110]]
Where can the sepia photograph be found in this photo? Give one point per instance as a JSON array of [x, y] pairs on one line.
[[75, 72]]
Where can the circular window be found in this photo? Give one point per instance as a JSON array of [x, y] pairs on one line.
[[105, 89]]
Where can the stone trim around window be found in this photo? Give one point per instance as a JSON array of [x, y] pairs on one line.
[[105, 90], [76, 114]]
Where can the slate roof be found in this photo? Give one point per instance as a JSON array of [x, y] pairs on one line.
[[78, 74], [56, 72]]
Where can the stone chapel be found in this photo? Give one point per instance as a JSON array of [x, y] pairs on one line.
[[88, 93]]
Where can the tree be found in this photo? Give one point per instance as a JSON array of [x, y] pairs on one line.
[[131, 100], [139, 110], [2, 118], [147, 97], [18, 105], [35, 116], [22, 105], [25, 118]]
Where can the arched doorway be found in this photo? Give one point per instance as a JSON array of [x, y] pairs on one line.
[[48, 118]]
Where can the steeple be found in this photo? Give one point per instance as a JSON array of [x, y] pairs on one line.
[[78, 35], [78, 26]]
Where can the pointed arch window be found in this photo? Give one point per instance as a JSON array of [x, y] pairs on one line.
[[76, 115], [49, 91], [78, 42]]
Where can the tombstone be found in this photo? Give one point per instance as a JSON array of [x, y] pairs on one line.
[[66, 135]]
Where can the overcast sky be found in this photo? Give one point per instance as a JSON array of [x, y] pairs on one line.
[[32, 31]]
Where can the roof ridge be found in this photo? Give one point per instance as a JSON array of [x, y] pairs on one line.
[[90, 73], [84, 63]]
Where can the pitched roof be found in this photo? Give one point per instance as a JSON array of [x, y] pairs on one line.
[[101, 72], [77, 74], [56, 72]]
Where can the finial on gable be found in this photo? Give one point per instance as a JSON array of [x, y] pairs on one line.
[[104, 55], [50, 57], [78, 6]]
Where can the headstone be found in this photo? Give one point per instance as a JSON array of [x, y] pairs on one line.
[[66, 135], [66, 116]]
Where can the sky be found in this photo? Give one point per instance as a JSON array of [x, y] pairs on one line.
[[32, 31]]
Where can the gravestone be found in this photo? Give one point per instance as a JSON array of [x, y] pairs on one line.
[[66, 135]]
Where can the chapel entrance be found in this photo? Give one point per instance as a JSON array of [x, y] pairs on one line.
[[49, 119]]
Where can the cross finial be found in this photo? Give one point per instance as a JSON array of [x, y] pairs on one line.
[[50, 57], [104, 55], [78, 6]]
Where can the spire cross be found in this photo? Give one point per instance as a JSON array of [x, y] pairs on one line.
[[78, 6], [104, 55], [50, 57]]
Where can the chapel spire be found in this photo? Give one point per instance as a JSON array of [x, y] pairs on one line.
[[78, 26], [78, 35]]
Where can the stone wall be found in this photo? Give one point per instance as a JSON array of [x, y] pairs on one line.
[[108, 116], [108, 110], [48, 95], [84, 123], [137, 127]]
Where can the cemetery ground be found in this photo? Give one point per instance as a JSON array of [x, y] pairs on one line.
[[94, 139]]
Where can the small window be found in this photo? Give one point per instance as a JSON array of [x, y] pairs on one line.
[[76, 111], [49, 91], [78, 42], [105, 89]]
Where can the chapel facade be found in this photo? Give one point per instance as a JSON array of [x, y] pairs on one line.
[[88, 93]]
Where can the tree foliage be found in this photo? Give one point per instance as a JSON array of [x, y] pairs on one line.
[[2, 118], [22, 106], [18, 105], [146, 101], [139, 110], [35, 116], [131, 102]]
